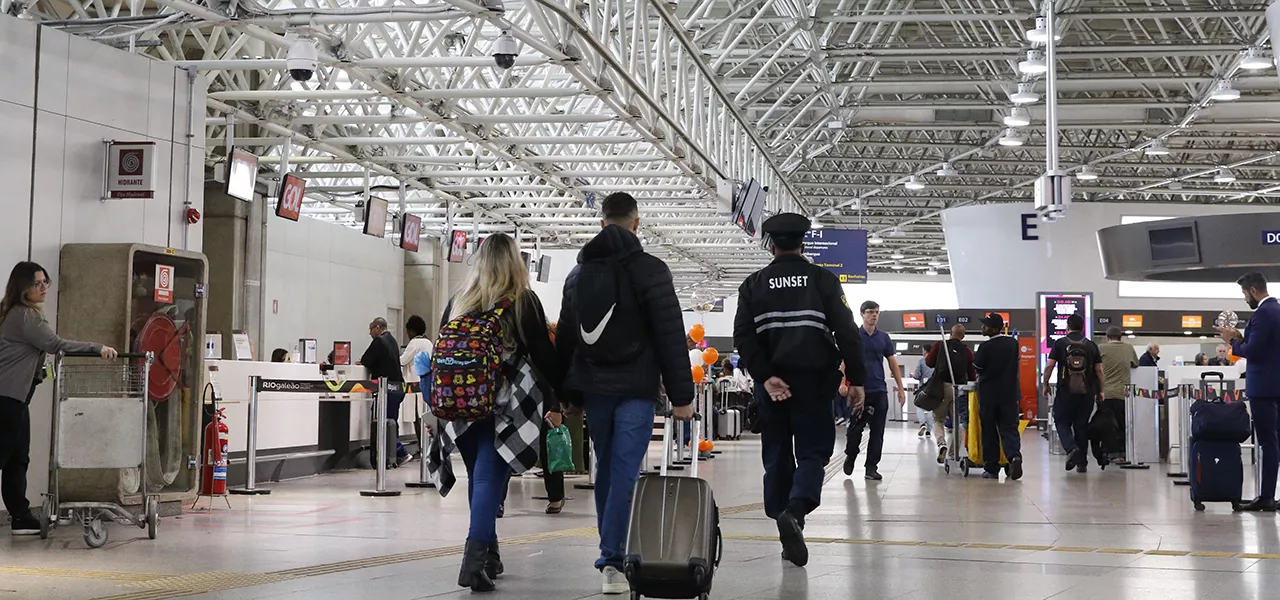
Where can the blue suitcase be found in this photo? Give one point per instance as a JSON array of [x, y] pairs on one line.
[[1217, 473]]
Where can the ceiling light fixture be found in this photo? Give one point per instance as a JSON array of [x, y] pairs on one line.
[[1017, 117], [897, 256], [897, 267], [1034, 65], [913, 183], [1255, 60], [1012, 138], [1025, 94], [897, 232], [1157, 148], [875, 240], [935, 263], [1040, 34], [1086, 173], [1224, 175], [814, 223], [946, 171], [1223, 92]]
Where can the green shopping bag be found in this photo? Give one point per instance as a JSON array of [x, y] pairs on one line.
[[559, 450]]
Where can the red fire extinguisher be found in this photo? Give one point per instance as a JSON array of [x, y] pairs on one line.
[[217, 438]]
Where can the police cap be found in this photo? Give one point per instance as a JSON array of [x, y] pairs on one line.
[[786, 230]]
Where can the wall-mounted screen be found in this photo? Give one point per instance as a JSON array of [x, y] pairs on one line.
[[457, 246], [289, 204], [1054, 310], [375, 217], [1174, 245], [1192, 321], [242, 174], [410, 232], [748, 207], [544, 268]]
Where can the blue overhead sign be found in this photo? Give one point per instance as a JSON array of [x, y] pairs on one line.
[[841, 251]]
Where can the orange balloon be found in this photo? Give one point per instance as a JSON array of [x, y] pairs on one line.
[[710, 356], [705, 446], [698, 333], [698, 374]]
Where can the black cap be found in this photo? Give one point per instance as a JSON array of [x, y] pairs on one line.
[[786, 229], [993, 320]]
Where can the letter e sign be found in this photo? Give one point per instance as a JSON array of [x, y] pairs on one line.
[[1029, 227]]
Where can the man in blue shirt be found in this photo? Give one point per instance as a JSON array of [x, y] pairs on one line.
[[876, 347], [1260, 345]]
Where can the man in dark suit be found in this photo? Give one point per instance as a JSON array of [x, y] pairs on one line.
[[1260, 346]]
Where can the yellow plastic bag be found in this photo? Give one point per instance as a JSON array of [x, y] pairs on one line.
[[974, 440]]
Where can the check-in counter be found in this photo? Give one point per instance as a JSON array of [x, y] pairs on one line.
[[298, 434]]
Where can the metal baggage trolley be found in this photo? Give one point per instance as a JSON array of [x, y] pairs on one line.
[[99, 422]]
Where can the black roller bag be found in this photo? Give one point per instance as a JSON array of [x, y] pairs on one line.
[[1216, 467]]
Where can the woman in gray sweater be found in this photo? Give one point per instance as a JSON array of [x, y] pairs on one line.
[[25, 338]]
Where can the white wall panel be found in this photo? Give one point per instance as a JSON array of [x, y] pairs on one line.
[[15, 172], [55, 56], [17, 69], [95, 74], [994, 267]]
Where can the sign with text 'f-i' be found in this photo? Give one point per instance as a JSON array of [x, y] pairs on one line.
[[841, 251], [164, 284]]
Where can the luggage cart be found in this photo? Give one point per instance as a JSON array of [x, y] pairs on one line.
[[99, 422]]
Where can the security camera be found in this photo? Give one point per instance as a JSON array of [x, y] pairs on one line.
[[505, 51], [302, 59]]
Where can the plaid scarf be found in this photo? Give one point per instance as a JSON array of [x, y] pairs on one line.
[[517, 426]]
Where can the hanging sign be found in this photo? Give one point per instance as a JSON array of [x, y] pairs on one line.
[[131, 170], [164, 284], [841, 251]]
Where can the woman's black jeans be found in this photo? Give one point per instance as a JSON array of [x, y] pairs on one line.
[[15, 456]]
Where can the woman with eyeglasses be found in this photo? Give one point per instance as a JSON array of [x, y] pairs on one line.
[[25, 338]]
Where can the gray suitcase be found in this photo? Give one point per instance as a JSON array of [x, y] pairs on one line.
[[673, 542], [729, 424]]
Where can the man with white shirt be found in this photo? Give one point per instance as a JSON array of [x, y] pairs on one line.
[[416, 329]]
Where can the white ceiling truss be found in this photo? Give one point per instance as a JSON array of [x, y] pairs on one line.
[[834, 104]]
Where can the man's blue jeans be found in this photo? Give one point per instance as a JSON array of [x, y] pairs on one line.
[[620, 432], [487, 478]]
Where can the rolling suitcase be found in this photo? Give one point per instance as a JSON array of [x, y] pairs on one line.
[[1217, 473], [729, 424], [673, 541]]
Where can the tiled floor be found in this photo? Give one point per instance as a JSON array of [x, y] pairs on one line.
[[918, 535]]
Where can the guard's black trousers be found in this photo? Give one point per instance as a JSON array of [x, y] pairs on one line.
[[798, 436]]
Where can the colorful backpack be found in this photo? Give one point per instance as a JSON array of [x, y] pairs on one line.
[[466, 365]]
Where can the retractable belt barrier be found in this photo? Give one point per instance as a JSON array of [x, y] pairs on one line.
[[326, 388]]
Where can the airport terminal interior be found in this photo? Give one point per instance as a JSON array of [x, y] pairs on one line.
[[240, 195]]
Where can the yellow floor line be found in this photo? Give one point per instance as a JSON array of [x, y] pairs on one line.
[[81, 574]]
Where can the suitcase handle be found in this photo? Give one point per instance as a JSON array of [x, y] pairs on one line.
[[1208, 374], [668, 434]]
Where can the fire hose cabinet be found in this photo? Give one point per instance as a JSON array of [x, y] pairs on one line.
[[140, 298]]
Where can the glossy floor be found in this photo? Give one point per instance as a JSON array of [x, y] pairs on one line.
[[918, 534]]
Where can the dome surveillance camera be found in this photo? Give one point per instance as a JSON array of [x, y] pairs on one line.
[[505, 51], [302, 59]]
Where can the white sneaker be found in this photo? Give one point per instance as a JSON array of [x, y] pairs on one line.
[[615, 582], [924, 430]]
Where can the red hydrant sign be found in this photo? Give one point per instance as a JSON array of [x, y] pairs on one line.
[[164, 283]]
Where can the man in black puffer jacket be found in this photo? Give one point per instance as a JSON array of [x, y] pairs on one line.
[[622, 334]]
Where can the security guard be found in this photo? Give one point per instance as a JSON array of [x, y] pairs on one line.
[[792, 329]]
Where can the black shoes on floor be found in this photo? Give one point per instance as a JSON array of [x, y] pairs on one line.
[[1259, 505], [1014, 470], [791, 534]]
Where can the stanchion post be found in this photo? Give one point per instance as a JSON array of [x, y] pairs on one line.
[[424, 478], [1184, 439], [380, 469], [251, 443]]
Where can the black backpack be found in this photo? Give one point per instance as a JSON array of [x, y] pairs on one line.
[[610, 321], [1078, 364]]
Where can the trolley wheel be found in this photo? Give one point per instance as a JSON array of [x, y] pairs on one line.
[[95, 533], [153, 517], [1199, 507], [947, 468], [46, 518], [964, 467]]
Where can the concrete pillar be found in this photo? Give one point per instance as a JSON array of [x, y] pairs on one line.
[[421, 283], [225, 223]]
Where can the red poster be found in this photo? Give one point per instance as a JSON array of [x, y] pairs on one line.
[[164, 284], [1027, 377], [342, 353], [410, 231], [289, 205], [913, 320]]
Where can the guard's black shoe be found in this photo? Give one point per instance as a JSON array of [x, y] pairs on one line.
[[1259, 505], [792, 537], [850, 461], [990, 475], [1074, 458], [874, 475], [1014, 470]]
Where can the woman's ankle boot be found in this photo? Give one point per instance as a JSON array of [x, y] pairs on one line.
[[473, 574], [493, 564]]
